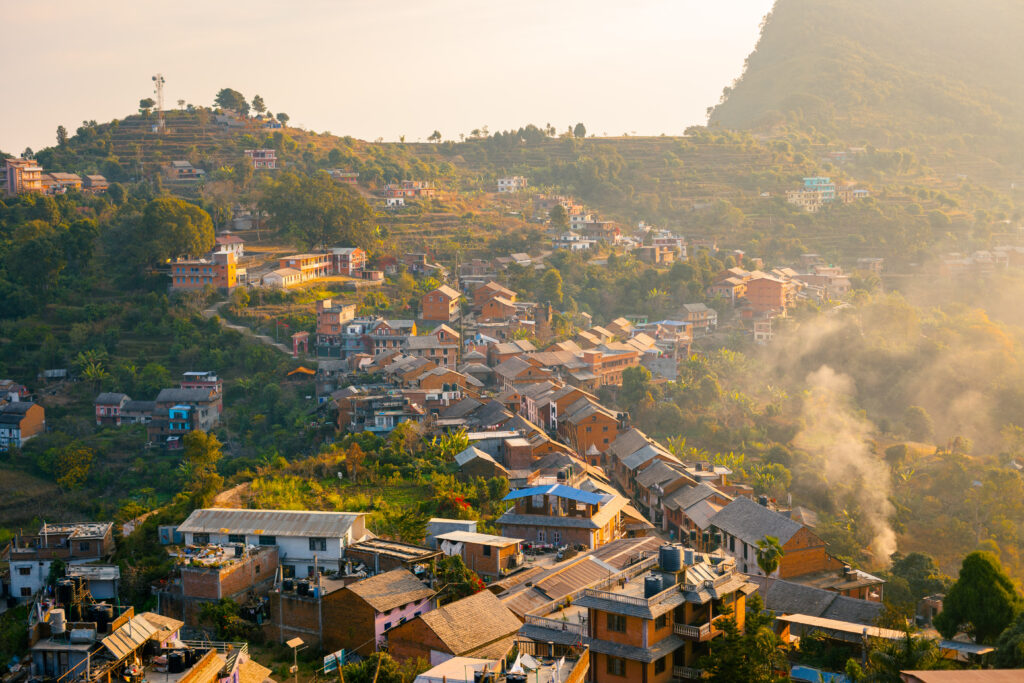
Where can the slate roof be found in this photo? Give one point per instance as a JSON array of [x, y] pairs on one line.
[[750, 522], [687, 497], [512, 367], [110, 398], [660, 473], [628, 442], [645, 455], [462, 408], [472, 453], [391, 589], [472, 623], [789, 597], [448, 292], [184, 396]]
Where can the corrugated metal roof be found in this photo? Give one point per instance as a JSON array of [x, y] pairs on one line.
[[479, 539], [270, 522], [561, 491], [132, 635]]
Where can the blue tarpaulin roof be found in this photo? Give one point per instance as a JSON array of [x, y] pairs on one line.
[[560, 490]]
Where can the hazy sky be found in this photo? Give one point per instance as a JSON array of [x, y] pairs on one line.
[[378, 69]]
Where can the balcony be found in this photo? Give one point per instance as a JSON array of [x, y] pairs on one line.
[[699, 633], [687, 673]]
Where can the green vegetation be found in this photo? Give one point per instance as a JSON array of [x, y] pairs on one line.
[[982, 602]]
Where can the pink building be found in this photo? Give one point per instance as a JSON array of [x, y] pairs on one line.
[[262, 158]]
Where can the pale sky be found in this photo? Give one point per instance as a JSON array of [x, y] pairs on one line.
[[377, 68]]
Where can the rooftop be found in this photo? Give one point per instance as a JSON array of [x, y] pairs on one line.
[[391, 589], [560, 491], [270, 522], [479, 539], [396, 549], [468, 626]]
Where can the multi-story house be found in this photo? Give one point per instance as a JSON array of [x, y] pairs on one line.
[[654, 623], [30, 556], [702, 320], [177, 412], [183, 170], [22, 175], [95, 183], [262, 159], [59, 183], [220, 271], [205, 380], [512, 184], [108, 408], [378, 413], [361, 614], [309, 266], [806, 560], [492, 557], [344, 177], [230, 243], [441, 304], [589, 427], [331, 320], [560, 514], [410, 189], [768, 293], [349, 261], [303, 538], [441, 346], [19, 422]]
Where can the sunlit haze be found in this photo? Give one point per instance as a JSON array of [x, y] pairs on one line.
[[374, 70]]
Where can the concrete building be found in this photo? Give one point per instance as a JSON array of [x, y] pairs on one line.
[[19, 422], [491, 557], [30, 556]]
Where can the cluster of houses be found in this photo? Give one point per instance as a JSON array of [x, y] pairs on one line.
[[821, 191], [1000, 257], [298, 269], [194, 405], [18, 176]]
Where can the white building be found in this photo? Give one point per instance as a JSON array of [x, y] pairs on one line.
[[282, 278], [30, 556], [512, 184], [300, 536]]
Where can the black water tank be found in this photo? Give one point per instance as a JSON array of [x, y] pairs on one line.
[[238, 549], [175, 662], [652, 585], [65, 590], [288, 585], [102, 613], [303, 588], [670, 557]]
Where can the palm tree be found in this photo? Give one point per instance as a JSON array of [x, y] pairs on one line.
[[908, 653], [96, 373], [769, 556]]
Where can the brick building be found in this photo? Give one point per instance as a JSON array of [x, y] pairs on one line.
[[358, 617], [492, 557], [441, 304], [19, 422], [30, 556], [219, 271], [476, 626], [218, 572], [560, 514]]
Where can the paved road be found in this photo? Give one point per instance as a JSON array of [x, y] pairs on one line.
[[269, 341]]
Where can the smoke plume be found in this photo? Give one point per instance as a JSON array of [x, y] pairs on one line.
[[836, 438]]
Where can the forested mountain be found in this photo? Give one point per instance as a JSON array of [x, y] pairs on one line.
[[935, 75]]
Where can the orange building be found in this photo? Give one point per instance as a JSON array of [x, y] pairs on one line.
[[19, 422], [587, 424], [483, 293], [22, 175], [220, 272], [441, 304], [311, 266], [331, 315], [768, 293], [497, 308]]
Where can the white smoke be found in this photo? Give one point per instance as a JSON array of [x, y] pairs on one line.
[[837, 439]]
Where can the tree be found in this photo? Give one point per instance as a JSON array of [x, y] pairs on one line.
[[314, 211], [1010, 646], [435, 136], [199, 466], [231, 99], [145, 105], [169, 228], [918, 422], [580, 131], [73, 465], [181, 104], [909, 653], [752, 655], [380, 667], [457, 579], [769, 555], [982, 602], [258, 105], [283, 118], [405, 524], [635, 382], [551, 286], [559, 217], [62, 135]]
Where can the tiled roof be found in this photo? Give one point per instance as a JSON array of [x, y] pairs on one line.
[[750, 522], [391, 589], [472, 623]]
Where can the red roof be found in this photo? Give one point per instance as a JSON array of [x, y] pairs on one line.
[[229, 239]]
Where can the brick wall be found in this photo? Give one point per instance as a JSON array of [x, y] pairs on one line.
[[291, 616], [412, 640], [348, 623], [255, 572]]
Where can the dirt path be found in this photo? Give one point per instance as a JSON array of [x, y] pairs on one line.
[[269, 341]]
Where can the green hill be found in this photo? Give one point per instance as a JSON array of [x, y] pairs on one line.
[[938, 76]]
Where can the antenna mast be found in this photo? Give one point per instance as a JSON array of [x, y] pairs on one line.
[[158, 80]]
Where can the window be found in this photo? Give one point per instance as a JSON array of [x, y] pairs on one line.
[[617, 623], [661, 665], [616, 666], [24, 571], [26, 592], [267, 540], [661, 622], [200, 539], [387, 625], [316, 543], [487, 551], [236, 538]]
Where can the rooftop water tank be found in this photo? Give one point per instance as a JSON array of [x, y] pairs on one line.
[[652, 585], [688, 556], [670, 558], [56, 620]]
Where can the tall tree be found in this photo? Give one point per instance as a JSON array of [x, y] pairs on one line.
[[173, 227], [283, 118], [146, 104], [258, 105], [435, 136], [1010, 646], [199, 467], [580, 131], [314, 211], [769, 555], [227, 98], [62, 135], [551, 286], [982, 602], [559, 217], [751, 655]]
